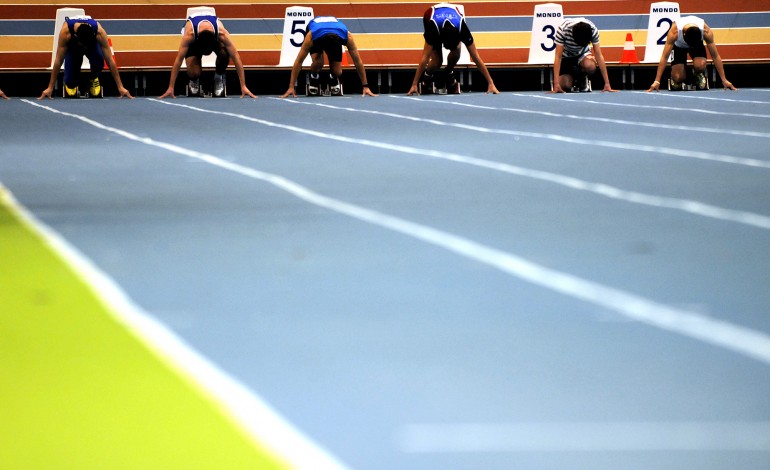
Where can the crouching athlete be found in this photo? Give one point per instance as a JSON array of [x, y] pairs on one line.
[[327, 35]]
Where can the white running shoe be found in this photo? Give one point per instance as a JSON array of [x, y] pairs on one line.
[[700, 81], [195, 87], [219, 85]]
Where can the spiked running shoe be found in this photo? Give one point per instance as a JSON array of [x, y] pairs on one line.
[[70, 92], [195, 87], [219, 85], [94, 88], [700, 81]]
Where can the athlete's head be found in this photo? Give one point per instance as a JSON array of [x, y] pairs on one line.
[[85, 34], [582, 34], [207, 41], [450, 36], [692, 35]]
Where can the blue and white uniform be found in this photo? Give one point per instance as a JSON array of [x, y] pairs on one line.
[[683, 21], [197, 20], [321, 26], [439, 17], [73, 20], [73, 58]]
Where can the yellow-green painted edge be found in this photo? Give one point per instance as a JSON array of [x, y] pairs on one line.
[[80, 390]]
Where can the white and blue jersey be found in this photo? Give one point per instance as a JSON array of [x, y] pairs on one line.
[[197, 20], [321, 26], [438, 17], [683, 21], [73, 20], [446, 14]]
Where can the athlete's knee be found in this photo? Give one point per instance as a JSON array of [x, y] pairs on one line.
[[678, 73], [588, 65], [699, 64]]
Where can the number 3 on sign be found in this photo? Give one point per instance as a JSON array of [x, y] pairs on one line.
[[545, 23], [550, 35]]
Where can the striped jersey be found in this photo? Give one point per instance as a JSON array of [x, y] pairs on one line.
[[564, 37]]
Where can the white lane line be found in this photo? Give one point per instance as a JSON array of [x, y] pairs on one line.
[[642, 106], [752, 162], [714, 157], [684, 205], [255, 416], [702, 96], [655, 125], [425, 438], [742, 340]]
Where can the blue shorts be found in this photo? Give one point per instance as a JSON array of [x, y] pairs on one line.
[[73, 62]]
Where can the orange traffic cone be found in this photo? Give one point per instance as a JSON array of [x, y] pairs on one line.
[[629, 52], [345, 61], [112, 52]]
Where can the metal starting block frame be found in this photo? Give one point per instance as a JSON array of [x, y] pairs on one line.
[[576, 89], [324, 90], [689, 86], [202, 93], [426, 89]]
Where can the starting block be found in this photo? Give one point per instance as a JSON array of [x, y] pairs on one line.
[[687, 86], [431, 89], [428, 87], [324, 90], [202, 92], [327, 85], [586, 89]]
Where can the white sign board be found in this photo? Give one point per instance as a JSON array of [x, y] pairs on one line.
[[62, 13], [662, 16], [294, 31], [546, 20]]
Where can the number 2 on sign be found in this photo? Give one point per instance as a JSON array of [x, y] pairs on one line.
[[662, 39], [295, 29]]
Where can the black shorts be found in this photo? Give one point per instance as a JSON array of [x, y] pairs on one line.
[[331, 45], [195, 50], [570, 66], [680, 54]]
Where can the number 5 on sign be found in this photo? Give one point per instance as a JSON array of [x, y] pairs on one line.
[[547, 18], [294, 30], [662, 16]]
